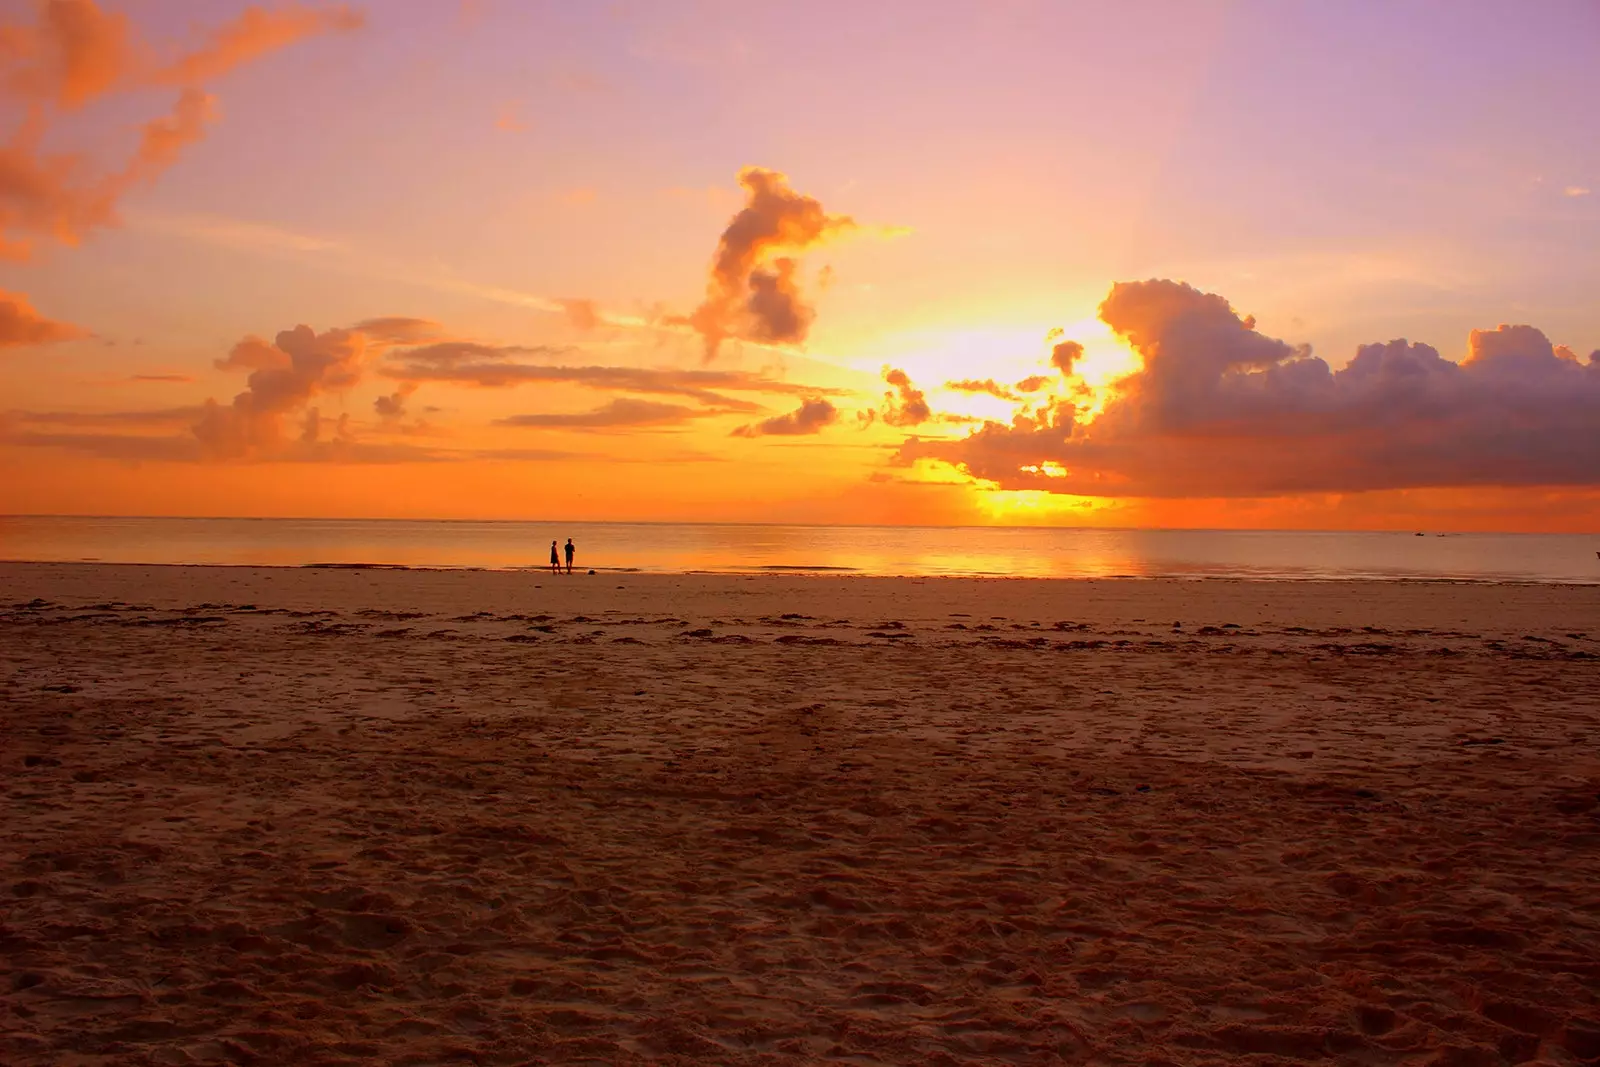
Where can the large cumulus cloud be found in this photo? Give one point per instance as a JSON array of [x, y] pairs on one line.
[[1218, 409]]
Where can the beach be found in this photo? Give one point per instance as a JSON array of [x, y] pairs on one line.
[[355, 815]]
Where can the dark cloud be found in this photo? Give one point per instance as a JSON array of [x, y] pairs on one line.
[[987, 385], [21, 325], [1033, 383], [812, 416], [904, 404], [752, 292], [392, 408], [622, 413], [1064, 356], [1218, 409]]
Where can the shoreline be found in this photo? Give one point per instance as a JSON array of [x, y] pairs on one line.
[[793, 571]]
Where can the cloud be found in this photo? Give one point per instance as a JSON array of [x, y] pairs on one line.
[[752, 292], [161, 417], [118, 446], [285, 374], [401, 330], [1218, 409], [456, 353], [319, 440], [490, 366], [904, 404], [163, 140], [987, 385], [160, 378], [582, 314], [812, 416], [73, 54], [392, 408], [1064, 356], [21, 325], [256, 32], [234, 233], [1033, 383], [1575, 190], [618, 414]]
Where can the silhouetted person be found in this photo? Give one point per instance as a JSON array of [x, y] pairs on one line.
[[555, 559], [570, 551]]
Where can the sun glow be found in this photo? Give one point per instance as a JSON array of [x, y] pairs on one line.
[[1027, 506]]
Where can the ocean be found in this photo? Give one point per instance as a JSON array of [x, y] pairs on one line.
[[1031, 552]]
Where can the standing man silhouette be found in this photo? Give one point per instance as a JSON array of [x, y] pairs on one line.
[[570, 551], [555, 559]]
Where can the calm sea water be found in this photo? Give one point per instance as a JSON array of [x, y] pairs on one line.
[[679, 548]]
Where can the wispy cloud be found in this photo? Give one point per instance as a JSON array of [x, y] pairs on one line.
[[621, 414], [233, 233]]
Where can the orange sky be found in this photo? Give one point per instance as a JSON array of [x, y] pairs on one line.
[[692, 262]]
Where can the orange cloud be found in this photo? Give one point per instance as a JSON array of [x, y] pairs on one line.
[[582, 314], [164, 139], [752, 292], [255, 33], [285, 375], [21, 325], [75, 53]]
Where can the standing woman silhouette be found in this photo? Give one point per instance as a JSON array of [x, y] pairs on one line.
[[555, 559]]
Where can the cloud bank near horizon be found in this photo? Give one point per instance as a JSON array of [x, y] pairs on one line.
[[1218, 409]]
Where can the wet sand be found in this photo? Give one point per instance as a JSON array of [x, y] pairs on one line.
[[352, 816]]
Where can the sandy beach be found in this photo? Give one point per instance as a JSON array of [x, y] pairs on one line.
[[320, 816]]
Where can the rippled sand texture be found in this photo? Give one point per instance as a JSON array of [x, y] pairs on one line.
[[312, 817]]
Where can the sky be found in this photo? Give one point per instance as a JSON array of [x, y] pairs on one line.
[[1184, 263]]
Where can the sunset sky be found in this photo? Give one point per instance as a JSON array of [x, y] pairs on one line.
[[904, 261]]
